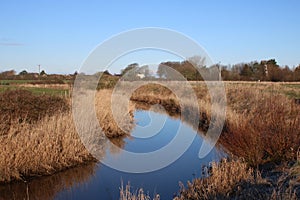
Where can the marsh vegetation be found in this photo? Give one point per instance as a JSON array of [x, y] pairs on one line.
[[261, 135]]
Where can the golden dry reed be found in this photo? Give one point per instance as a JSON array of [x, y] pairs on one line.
[[50, 144]]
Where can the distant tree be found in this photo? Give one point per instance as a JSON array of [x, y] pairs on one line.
[[296, 73], [273, 70], [24, 72], [226, 73], [145, 71], [106, 72], [161, 71], [7, 74], [258, 71], [246, 72], [287, 74], [185, 68], [197, 61], [43, 73], [129, 68]]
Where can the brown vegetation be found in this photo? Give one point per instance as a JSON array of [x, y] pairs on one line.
[[127, 194], [220, 184], [41, 138], [22, 105], [17, 106], [40, 149], [262, 124], [235, 180], [107, 118], [262, 127]]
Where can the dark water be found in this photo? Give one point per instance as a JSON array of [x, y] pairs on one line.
[[97, 181]]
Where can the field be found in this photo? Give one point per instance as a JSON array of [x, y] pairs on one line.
[[261, 133]]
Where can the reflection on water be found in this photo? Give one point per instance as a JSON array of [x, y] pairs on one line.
[[47, 187], [97, 181]]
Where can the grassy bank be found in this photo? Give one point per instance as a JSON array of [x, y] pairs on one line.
[[262, 123], [54, 90], [43, 148], [231, 179], [262, 128], [236, 180], [38, 135]]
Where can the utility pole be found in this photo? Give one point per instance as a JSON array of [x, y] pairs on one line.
[[39, 68], [220, 74]]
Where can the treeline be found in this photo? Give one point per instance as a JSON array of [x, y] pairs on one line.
[[193, 69], [260, 71], [35, 78], [254, 71]]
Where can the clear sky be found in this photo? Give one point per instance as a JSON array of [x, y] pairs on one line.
[[59, 35]]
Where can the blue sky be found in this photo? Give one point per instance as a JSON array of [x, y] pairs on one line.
[[59, 35]]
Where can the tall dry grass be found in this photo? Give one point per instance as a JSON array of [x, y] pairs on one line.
[[262, 127], [50, 143], [106, 117], [127, 194], [225, 179], [23, 105], [40, 149], [235, 180], [262, 123]]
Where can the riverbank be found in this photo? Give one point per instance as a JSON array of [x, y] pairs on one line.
[[40, 138], [261, 128], [262, 122]]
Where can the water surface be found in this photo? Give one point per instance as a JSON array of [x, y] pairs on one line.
[[97, 181]]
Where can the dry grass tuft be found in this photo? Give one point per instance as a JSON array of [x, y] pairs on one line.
[[126, 194], [224, 179], [106, 117], [265, 129], [22, 105], [50, 143], [262, 123], [40, 149]]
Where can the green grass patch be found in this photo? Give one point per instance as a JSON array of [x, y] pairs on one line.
[[37, 90], [292, 94], [296, 86], [5, 82]]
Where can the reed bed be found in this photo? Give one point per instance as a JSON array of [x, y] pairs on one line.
[[262, 128], [236, 180], [127, 194], [43, 148], [49, 141], [107, 118], [262, 123]]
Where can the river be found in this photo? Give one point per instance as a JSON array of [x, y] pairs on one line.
[[98, 181]]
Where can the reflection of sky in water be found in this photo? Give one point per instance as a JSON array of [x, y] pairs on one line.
[[153, 131], [102, 182], [106, 183]]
